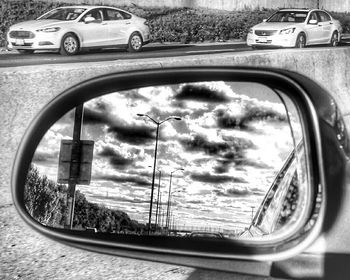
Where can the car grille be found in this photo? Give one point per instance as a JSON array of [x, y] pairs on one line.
[[22, 34], [23, 45], [265, 32]]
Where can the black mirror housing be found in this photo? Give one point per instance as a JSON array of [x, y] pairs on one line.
[[319, 130]]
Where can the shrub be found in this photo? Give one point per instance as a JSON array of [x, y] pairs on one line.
[[166, 24]]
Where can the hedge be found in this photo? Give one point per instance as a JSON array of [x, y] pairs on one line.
[[167, 25]]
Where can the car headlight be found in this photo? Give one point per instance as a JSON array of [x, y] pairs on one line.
[[287, 31], [49, 29]]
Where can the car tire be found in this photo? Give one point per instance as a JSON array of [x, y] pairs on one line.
[[334, 39], [26, 51], [69, 45], [301, 41], [135, 42]]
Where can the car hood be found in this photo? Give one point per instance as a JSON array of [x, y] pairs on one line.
[[276, 25], [35, 24]]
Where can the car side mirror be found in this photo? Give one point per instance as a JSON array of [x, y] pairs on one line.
[[264, 20], [313, 21], [184, 164], [89, 19]]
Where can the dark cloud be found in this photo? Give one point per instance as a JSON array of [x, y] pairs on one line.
[[238, 192], [233, 192], [124, 179], [228, 152], [257, 191], [44, 156], [135, 95], [216, 179], [200, 143], [120, 199], [194, 202], [96, 117], [115, 159], [135, 135], [220, 169], [227, 121], [201, 93]]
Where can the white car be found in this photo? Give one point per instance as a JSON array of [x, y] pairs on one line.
[[71, 29], [296, 28]]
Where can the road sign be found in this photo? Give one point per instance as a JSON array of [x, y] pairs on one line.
[[75, 161]]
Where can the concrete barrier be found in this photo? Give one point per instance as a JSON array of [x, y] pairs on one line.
[[24, 90]]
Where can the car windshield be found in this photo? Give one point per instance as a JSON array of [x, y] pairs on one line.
[[63, 14], [288, 16]]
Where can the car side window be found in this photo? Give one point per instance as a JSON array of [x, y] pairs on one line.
[[324, 16], [96, 13], [313, 16], [113, 14]]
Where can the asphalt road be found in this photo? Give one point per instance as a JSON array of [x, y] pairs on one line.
[[154, 50], [13, 58]]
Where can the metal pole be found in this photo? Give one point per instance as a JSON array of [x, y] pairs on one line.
[[153, 176], [167, 211], [75, 165], [160, 175], [155, 159]]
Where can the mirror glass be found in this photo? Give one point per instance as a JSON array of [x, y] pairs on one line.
[[212, 159]]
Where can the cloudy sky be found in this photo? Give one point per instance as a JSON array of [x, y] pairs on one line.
[[231, 141]]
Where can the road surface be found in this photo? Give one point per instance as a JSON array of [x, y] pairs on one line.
[[154, 50]]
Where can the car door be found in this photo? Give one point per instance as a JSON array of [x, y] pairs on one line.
[[118, 24], [313, 30], [326, 22], [95, 33]]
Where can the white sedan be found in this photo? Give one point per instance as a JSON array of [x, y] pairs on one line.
[[296, 28], [71, 29]]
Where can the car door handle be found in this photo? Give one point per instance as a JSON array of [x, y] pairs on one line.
[[331, 23], [128, 23], [104, 23]]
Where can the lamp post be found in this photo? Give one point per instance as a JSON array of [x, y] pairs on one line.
[[157, 123], [169, 197], [160, 175]]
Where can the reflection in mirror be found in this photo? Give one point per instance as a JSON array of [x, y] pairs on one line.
[[209, 159]]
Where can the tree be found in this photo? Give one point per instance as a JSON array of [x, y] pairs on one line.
[[44, 200]]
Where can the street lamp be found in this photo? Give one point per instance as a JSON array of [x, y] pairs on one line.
[[169, 197], [157, 123]]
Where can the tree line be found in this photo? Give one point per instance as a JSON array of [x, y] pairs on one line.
[[46, 202]]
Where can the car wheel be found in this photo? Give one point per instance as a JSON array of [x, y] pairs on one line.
[[69, 45], [25, 51], [135, 42], [301, 41], [334, 39]]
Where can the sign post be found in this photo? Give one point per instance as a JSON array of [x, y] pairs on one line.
[[75, 162]]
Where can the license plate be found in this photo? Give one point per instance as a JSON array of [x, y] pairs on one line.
[[20, 42], [262, 39]]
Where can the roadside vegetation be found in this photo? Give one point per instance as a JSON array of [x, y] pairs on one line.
[[185, 25], [46, 202]]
